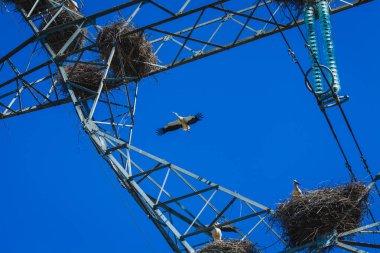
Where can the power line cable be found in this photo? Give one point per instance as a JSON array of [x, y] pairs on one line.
[[320, 102], [337, 100]]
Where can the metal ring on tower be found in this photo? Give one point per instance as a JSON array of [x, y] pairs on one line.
[[308, 83], [327, 98]]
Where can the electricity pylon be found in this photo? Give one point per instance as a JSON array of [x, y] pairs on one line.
[[183, 206]]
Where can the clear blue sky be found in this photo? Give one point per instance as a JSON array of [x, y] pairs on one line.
[[262, 129]]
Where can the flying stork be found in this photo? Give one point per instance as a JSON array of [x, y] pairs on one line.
[[296, 193], [217, 230], [181, 122]]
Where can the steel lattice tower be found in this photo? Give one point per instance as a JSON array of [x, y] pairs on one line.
[[183, 206]]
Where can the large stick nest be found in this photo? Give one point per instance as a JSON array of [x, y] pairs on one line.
[[58, 39], [296, 5], [229, 246], [86, 75], [133, 55], [28, 4], [321, 212]]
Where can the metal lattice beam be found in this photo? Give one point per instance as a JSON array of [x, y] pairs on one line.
[[183, 206], [174, 36]]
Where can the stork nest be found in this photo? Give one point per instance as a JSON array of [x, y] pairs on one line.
[[58, 39], [133, 55], [28, 4], [42, 5], [86, 75], [229, 246], [296, 5], [321, 212]]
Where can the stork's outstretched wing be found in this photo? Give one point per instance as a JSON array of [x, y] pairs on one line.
[[169, 127], [194, 119], [228, 228]]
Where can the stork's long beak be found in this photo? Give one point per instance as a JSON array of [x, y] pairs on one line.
[[296, 182]]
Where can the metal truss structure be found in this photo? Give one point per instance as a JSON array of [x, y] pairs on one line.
[[183, 206]]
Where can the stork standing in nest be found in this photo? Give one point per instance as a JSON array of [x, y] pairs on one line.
[[217, 231], [73, 5], [296, 193], [181, 122]]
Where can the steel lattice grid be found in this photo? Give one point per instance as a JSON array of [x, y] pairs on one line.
[[193, 204], [187, 49], [175, 38]]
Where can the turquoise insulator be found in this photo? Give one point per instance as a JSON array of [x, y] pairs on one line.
[[328, 44], [309, 16]]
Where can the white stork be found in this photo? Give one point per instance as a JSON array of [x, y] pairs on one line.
[[217, 231], [73, 5], [296, 193], [181, 122]]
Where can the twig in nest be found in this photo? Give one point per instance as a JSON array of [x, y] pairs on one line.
[[229, 246], [86, 75], [320, 212], [133, 55]]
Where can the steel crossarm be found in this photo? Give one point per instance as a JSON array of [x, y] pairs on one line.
[[179, 34], [182, 205]]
